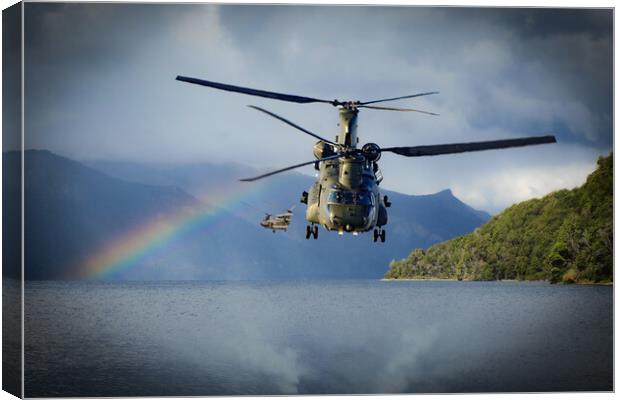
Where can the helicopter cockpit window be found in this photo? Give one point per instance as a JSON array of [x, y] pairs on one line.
[[335, 197], [355, 198], [363, 198]]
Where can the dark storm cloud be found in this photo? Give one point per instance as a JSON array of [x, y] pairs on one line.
[[566, 52], [543, 22], [577, 45], [100, 84], [11, 78], [57, 30], [69, 45]]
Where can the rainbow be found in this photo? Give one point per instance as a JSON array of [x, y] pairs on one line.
[[125, 251]]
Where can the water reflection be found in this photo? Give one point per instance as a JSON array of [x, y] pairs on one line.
[[315, 337]]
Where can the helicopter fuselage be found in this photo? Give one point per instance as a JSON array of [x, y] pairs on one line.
[[345, 196], [279, 222]]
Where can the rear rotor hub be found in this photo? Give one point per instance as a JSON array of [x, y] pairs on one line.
[[371, 151]]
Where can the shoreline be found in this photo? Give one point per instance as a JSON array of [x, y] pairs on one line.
[[502, 280], [423, 279]]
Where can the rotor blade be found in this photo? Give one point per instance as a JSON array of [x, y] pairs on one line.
[[438, 149], [286, 121], [289, 168], [253, 92], [398, 98], [397, 109]]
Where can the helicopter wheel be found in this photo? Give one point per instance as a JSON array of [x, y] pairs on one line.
[[375, 235], [308, 231], [382, 235], [315, 232]]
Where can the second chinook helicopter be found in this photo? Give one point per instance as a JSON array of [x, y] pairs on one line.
[[278, 222], [345, 197]]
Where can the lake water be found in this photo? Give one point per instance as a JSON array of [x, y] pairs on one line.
[[213, 338]]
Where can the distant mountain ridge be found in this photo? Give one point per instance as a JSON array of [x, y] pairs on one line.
[[426, 219], [74, 211], [567, 236]]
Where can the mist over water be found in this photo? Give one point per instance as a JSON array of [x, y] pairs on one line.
[[208, 338]]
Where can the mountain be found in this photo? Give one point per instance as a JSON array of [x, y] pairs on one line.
[[11, 216], [413, 220], [567, 236], [136, 221], [74, 214], [423, 220], [70, 211]]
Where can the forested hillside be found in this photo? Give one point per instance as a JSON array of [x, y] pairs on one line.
[[566, 236]]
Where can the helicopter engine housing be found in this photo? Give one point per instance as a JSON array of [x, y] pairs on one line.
[[322, 149]]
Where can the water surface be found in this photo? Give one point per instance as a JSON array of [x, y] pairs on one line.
[[214, 338]]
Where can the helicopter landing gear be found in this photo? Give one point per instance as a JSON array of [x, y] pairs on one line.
[[312, 231], [378, 234]]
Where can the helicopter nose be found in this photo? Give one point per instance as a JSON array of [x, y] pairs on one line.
[[349, 218]]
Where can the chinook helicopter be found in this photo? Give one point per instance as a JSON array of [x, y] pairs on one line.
[[278, 222], [345, 196]]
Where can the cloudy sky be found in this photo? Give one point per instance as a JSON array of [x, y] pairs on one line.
[[100, 85]]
